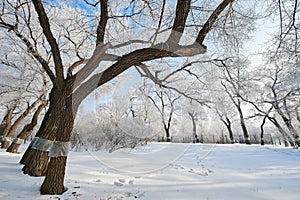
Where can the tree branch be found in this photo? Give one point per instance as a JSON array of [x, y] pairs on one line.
[[31, 49], [103, 21], [211, 20], [44, 22], [182, 11]]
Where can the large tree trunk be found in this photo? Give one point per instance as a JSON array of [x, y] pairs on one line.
[[26, 131], [54, 181], [35, 160]]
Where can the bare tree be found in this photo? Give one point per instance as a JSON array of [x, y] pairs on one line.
[[73, 83], [233, 86], [227, 122], [164, 102]]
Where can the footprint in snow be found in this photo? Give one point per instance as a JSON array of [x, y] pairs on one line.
[[118, 184], [121, 182]]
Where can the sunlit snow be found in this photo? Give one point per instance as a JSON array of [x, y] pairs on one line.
[[167, 172]]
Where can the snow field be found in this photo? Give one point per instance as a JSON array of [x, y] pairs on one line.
[[167, 172]]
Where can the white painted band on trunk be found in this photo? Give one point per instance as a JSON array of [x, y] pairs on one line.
[[42, 144], [18, 141], [5, 139], [33, 141], [59, 149]]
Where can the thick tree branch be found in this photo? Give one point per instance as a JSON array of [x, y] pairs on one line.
[[44, 22], [90, 66], [103, 21], [182, 11], [211, 20], [75, 65], [123, 64]]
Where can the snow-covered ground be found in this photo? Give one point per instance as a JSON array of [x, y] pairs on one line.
[[167, 172]]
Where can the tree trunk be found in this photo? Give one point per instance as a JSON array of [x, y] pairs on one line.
[[7, 119], [35, 161], [14, 147], [287, 139], [228, 126], [54, 181], [287, 121], [243, 124], [6, 128], [195, 136], [167, 131], [262, 142], [16, 124], [5, 144]]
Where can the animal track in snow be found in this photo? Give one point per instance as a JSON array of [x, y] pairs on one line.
[[122, 182]]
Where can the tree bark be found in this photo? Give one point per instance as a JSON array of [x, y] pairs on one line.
[[10, 133], [4, 121], [5, 144], [14, 147], [35, 161], [7, 120], [54, 181]]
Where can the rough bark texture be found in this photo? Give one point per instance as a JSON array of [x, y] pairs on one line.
[[6, 127], [3, 123], [28, 128], [48, 130], [13, 148], [54, 181], [17, 123], [38, 163], [5, 144]]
